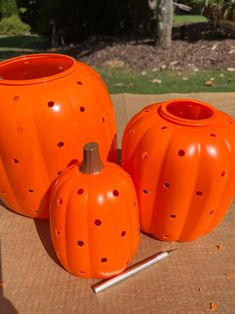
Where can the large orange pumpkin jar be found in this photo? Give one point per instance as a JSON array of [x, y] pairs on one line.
[[181, 157], [51, 106]]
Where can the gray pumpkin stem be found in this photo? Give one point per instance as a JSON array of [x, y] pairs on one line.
[[91, 163]]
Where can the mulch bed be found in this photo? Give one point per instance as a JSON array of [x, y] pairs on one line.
[[194, 47]]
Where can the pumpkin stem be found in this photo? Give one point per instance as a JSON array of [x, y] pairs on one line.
[[92, 163]]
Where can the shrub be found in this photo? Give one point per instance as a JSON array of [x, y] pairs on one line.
[[13, 26], [8, 8]]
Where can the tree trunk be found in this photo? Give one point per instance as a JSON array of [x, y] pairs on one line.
[[164, 23]]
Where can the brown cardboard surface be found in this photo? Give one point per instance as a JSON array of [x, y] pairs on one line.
[[35, 283]]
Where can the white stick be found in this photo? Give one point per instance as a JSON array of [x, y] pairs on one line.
[[156, 258]]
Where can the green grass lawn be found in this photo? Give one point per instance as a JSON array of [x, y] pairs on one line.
[[188, 19], [12, 46], [123, 81]]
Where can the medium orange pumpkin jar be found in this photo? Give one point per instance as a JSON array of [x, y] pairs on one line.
[[181, 157], [51, 106]]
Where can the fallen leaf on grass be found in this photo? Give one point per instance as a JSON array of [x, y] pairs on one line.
[[229, 275], [184, 78], [155, 69], [210, 83], [174, 63], [119, 84], [156, 81], [143, 73], [231, 69], [221, 75], [213, 306], [162, 67], [114, 63]]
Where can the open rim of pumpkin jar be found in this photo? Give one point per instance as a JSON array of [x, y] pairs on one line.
[[35, 68], [188, 112]]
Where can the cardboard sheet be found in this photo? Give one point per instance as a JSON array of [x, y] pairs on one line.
[[200, 273]]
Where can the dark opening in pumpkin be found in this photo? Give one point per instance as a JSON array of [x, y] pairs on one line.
[[35, 67], [189, 110]]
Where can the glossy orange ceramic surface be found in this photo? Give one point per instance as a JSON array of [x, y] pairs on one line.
[[51, 106], [181, 157], [94, 221]]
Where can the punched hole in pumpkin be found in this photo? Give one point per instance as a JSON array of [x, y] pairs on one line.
[[116, 193], [212, 212], [172, 216], [104, 260], [57, 182], [199, 193], [80, 243], [98, 222], [132, 131], [16, 98], [123, 233], [145, 191], [50, 104], [222, 174], [144, 155], [15, 161], [166, 185], [80, 191], [163, 127], [30, 190], [60, 144], [181, 152], [60, 201], [57, 232], [82, 108], [72, 162]]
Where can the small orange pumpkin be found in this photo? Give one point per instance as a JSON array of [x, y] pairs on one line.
[[94, 217]]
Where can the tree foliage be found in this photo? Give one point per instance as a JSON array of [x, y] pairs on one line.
[[10, 23], [13, 26], [77, 19]]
